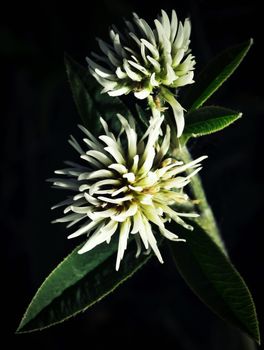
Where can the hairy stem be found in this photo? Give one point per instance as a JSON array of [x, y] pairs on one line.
[[206, 219]]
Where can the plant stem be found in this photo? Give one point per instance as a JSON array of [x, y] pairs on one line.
[[206, 219]]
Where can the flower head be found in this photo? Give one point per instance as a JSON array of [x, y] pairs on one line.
[[147, 61], [125, 186]]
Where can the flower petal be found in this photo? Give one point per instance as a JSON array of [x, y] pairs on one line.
[[122, 243]]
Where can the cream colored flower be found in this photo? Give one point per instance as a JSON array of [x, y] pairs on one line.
[[126, 186], [147, 61]]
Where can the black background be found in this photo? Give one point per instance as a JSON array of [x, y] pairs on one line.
[[37, 116]]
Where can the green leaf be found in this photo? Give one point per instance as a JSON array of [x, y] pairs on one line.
[[210, 274], [77, 283], [207, 120], [91, 104], [214, 75]]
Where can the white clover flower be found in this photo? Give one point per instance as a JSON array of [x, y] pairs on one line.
[[147, 62], [126, 186]]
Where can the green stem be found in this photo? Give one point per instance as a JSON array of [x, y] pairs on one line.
[[206, 219]]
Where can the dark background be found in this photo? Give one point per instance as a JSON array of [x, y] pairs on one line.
[[37, 116]]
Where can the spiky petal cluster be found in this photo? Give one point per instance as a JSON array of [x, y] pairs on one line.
[[125, 186], [147, 61]]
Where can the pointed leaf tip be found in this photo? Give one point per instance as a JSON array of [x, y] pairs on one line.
[[207, 120], [214, 75], [77, 283]]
